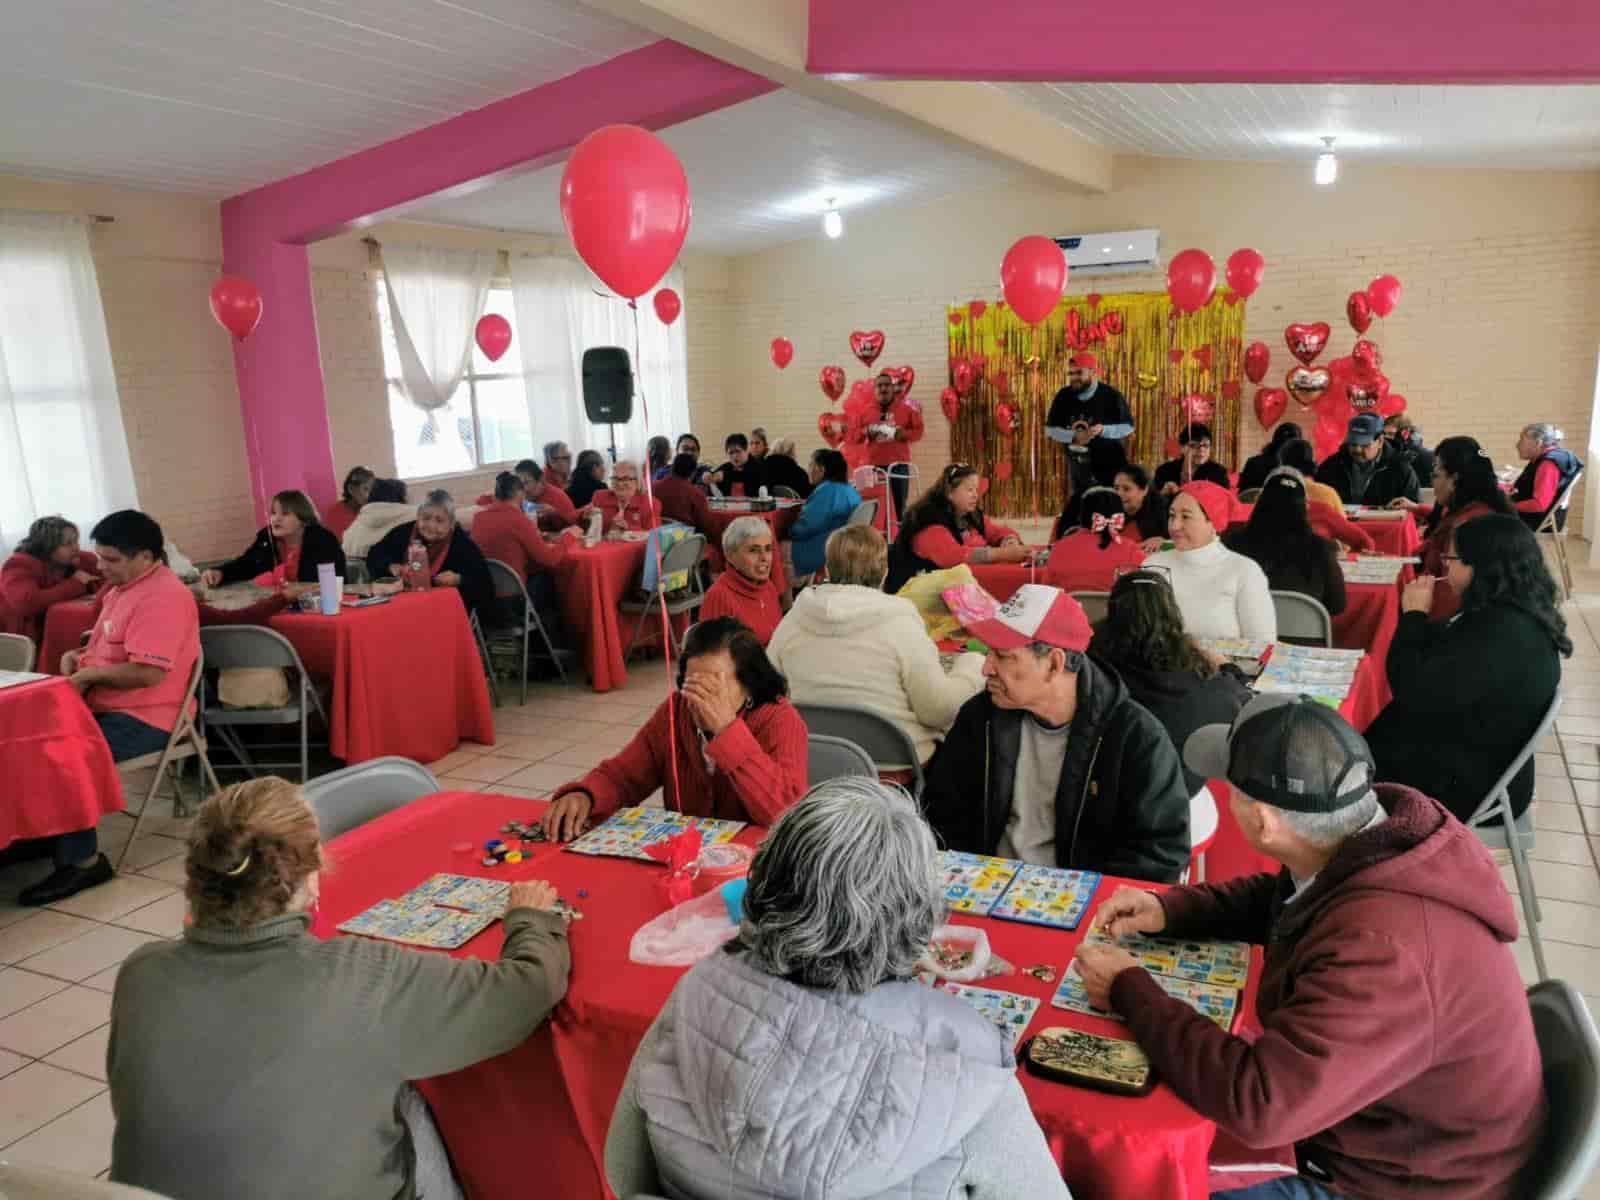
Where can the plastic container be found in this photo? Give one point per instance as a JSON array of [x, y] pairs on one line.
[[721, 864], [967, 940]]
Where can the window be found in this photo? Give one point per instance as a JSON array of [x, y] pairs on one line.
[[486, 420]]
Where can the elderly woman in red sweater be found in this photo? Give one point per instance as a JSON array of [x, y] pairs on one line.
[[745, 590], [624, 505], [47, 568], [738, 744]]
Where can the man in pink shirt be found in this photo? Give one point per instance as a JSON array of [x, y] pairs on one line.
[[133, 674]]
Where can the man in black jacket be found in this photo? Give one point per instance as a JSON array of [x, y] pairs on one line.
[[1366, 470], [1054, 763]]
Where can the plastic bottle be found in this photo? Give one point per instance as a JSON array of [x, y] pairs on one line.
[[417, 576]]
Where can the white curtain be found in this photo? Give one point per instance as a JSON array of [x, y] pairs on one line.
[[560, 314], [62, 445], [435, 299]]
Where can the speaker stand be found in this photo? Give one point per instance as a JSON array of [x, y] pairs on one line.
[[612, 427]]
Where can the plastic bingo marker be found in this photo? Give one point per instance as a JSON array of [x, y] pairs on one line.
[[493, 844], [514, 857]]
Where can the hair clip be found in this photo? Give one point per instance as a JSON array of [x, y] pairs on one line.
[[241, 868]]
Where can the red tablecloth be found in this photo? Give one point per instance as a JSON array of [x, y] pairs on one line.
[[64, 625], [1399, 538], [1001, 580], [1368, 622], [406, 675], [780, 519], [563, 1082], [56, 765], [594, 579]]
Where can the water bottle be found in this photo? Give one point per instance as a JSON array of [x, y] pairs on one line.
[[417, 576], [591, 536]]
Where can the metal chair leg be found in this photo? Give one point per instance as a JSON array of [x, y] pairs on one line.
[[488, 663], [527, 616], [1525, 887]]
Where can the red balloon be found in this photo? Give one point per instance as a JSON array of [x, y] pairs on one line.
[[236, 305], [1002, 470], [1393, 405], [1001, 383], [1257, 358], [668, 305], [950, 401], [1202, 355], [1245, 269], [1033, 275], [1093, 299], [1191, 279], [1271, 403], [1384, 293], [832, 381], [903, 378], [977, 308], [1007, 419], [831, 426], [862, 398], [1307, 341], [1307, 384], [1195, 407], [963, 376], [1358, 311], [1171, 448], [625, 202], [782, 352], [957, 317], [867, 346], [1366, 355], [493, 334]]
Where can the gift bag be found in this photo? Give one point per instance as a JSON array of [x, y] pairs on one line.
[[926, 591]]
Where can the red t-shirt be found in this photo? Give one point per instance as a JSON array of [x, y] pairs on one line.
[[153, 620], [1078, 564], [287, 570], [867, 427], [339, 517], [504, 531]]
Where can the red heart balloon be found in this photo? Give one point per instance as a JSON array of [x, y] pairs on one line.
[[979, 362], [957, 317], [1256, 360], [867, 346], [950, 401], [1195, 407], [1307, 341], [963, 376], [1006, 418], [1231, 298], [1002, 470], [782, 352], [1271, 404], [1366, 355], [1170, 448], [1358, 311], [1307, 384], [903, 378], [668, 305], [1202, 356], [493, 334], [1384, 293], [831, 380], [1175, 356], [1230, 390], [983, 485], [1092, 299], [1368, 392], [236, 305], [832, 426], [977, 308], [1392, 406], [1001, 383], [1244, 272]]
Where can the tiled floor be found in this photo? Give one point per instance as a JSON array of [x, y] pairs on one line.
[[58, 965]]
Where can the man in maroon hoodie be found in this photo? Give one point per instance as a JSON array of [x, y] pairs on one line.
[[1397, 1051]]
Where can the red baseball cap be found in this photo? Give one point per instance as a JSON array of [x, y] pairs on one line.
[[1035, 613], [1085, 360]]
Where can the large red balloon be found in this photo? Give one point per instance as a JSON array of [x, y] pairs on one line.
[[1358, 311], [493, 334], [1384, 293], [1033, 275], [1191, 279], [1270, 406], [1007, 419], [782, 352], [831, 426], [1245, 269], [1256, 360], [668, 305], [236, 305], [950, 401], [832, 381], [625, 202]]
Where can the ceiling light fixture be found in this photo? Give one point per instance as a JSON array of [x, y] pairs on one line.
[[1327, 164], [832, 220]]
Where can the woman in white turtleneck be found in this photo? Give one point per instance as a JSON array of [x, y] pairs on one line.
[[1221, 594]]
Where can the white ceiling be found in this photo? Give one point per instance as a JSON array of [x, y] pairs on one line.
[[759, 174], [1525, 127], [220, 96]]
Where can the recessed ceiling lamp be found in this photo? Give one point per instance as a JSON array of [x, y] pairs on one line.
[[832, 220], [1327, 164]]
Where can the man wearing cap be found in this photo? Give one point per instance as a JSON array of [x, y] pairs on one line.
[[1367, 470], [1091, 418], [1054, 763], [1397, 1051]]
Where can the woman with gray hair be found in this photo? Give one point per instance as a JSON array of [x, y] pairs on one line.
[[745, 590], [1550, 471], [453, 558], [803, 1060]]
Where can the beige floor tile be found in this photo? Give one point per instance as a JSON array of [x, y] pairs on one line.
[[114, 899], [1578, 725], [582, 756], [463, 753], [613, 737], [1565, 921], [579, 732], [78, 1142], [86, 1055], [486, 768], [1557, 818], [1550, 766], [1584, 771], [1559, 881], [102, 947], [103, 981], [544, 776], [39, 932], [54, 1021], [1577, 965], [450, 783], [1569, 848], [503, 789], [174, 870], [19, 989], [149, 851], [165, 918], [1557, 790], [1577, 751], [37, 1094], [531, 748], [1549, 744]]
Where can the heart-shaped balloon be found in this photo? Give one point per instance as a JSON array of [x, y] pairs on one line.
[[1392, 405], [1358, 311], [1170, 448], [983, 485], [977, 308], [1271, 404], [832, 426], [1001, 383], [1146, 379], [1384, 293], [1257, 358], [1368, 392], [903, 378], [1002, 470], [1366, 355], [956, 317], [1231, 298], [950, 402], [1306, 341], [1307, 384], [1202, 355], [1175, 356], [831, 380], [782, 352], [979, 362], [1231, 389], [668, 305], [963, 376], [1092, 299], [1007, 419], [1195, 407], [867, 346]]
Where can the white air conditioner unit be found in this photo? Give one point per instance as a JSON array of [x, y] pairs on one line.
[[1112, 253]]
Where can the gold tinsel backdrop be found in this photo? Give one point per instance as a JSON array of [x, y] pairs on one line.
[[1146, 350]]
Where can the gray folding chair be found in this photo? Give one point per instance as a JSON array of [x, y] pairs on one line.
[[1499, 830], [683, 555], [1569, 1051], [16, 652], [1302, 618], [509, 588], [355, 570], [832, 757], [865, 513], [780, 492], [344, 799], [1249, 495], [185, 741], [889, 746], [1555, 525], [232, 646], [1095, 605], [484, 657]]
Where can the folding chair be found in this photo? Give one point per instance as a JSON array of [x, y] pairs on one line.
[[483, 656], [355, 570], [344, 799], [1499, 830], [17, 653], [1302, 618], [1555, 525], [508, 586], [185, 741], [779, 492], [889, 746], [908, 472], [232, 646], [832, 757], [865, 513], [681, 556], [1095, 605], [1203, 824], [1569, 1051]]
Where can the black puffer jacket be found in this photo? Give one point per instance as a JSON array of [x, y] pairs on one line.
[[317, 545], [1183, 702], [1121, 804]]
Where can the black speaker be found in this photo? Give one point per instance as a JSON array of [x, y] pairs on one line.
[[607, 385]]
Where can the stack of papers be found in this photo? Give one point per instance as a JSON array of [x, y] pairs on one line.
[[1321, 672], [1371, 568], [1364, 512]]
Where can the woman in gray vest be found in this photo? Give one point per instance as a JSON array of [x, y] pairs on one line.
[[802, 1059]]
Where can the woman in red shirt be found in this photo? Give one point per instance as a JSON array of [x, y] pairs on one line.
[[342, 512], [745, 590], [946, 528], [1464, 486], [625, 507], [1089, 558], [46, 568], [727, 743]]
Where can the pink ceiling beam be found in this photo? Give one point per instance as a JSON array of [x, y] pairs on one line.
[[1209, 41], [265, 231]]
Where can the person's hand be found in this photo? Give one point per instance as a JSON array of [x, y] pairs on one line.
[[1210, 655], [447, 579], [714, 700], [1082, 435], [1417, 596], [532, 893], [1151, 545], [1014, 552], [566, 817], [900, 436], [1013, 540], [1099, 967], [387, 589], [69, 662], [86, 579], [293, 591], [1096, 430], [1169, 489], [211, 577], [1130, 910], [1402, 502], [81, 680]]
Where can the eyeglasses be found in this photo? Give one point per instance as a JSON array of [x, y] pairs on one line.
[[562, 458], [624, 479]]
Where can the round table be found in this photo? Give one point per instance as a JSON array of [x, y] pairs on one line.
[[55, 761], [592, 581], [780, 519]]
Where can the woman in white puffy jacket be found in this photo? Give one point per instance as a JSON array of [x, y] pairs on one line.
[[847, 642]]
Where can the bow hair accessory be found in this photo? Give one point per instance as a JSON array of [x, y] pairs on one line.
[[1102, 522]]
